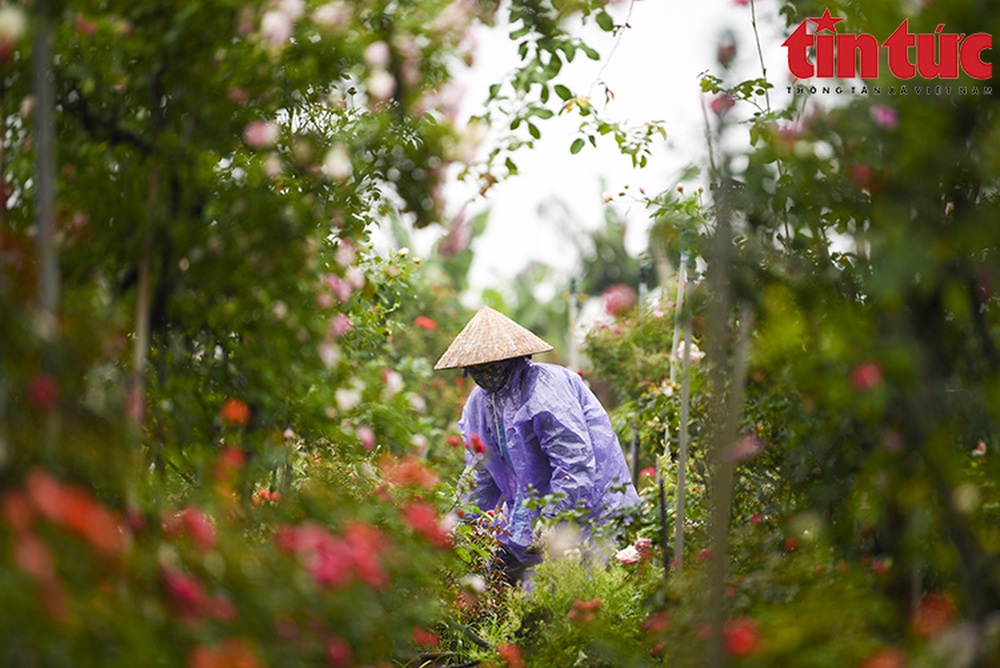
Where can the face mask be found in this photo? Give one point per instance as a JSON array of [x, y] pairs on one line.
[[492, 376]]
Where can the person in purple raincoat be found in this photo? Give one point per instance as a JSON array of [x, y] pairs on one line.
[[544, 436]]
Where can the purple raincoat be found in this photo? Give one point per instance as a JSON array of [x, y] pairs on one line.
[[557, 438]]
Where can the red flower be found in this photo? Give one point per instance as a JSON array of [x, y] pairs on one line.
[[511, 655], [657, 622], [17, 511], [934, 614], [73, 508], [338, 653], [43, 392], [862, 175], [425, 323], [425, 638], [187, 595], [423, 519], [584, 611], [454, 440], [888, 657], [866, 376], [194, 523], [476, 444], [741, 637], [235, 411], [790, 544]]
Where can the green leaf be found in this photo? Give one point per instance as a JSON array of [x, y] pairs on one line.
[[534, 131], [576, 146], [563, 92], [605, 21]]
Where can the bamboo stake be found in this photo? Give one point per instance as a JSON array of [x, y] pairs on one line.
[[682, 454], [45, 198], [574, 299]]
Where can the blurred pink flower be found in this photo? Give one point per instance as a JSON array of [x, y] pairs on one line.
[[866, 376], [340, 324], [618, 299], [746, 447], [338, 653], [260, 134], [377, 55], [346, 253], [367, 436], [884, 116], [194, 523], [276, 27], [237, 96], [721, 104]]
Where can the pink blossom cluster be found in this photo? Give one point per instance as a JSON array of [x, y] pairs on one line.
[[335, 561]]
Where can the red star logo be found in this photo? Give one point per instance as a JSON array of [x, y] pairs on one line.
[[826, 22]]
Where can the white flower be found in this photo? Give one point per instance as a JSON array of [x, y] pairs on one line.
[[337, 163], [355, 277], [417, 403], [293, 9], [377, 55], [381, 85], [330, 354], [276, 27], [474, 582], [694, 353], [347, 399], [628, 555], [273, 166], [332, 15], [13, 24], [393, 382]]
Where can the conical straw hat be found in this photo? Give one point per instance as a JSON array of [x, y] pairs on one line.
[[490, 337]]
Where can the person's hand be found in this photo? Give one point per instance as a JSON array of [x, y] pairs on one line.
[[554, 539]]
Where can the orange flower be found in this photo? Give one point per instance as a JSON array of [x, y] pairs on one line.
[[888, 657], [425, 638], [584, 611], [235, 411], [408, 471], [511, 655], [230, 653], [934, 614]]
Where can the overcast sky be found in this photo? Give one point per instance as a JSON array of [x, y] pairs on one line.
[[654, 75]]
